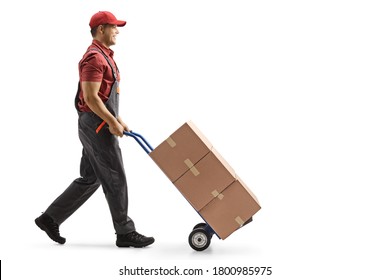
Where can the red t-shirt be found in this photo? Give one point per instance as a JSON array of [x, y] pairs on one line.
[[93, 67]]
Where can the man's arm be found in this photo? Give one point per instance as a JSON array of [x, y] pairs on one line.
[[91, 97]]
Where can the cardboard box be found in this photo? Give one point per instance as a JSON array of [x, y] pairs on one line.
[[205, 180], [185, 147], [231, 209]]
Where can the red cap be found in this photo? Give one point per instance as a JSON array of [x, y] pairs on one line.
[[105, 18]]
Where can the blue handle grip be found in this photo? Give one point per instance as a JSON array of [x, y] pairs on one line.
[[144, 144]]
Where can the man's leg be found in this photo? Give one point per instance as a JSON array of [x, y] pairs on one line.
[[78, 192], [106, 159], [69, 201]]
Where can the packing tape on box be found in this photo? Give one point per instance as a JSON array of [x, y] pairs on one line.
[[171, 142], [194, 171], [191, 166], [215, 193], [189, 163], [239, 221]]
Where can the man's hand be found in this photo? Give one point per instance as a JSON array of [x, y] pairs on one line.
[[125, 127], [116, 129]]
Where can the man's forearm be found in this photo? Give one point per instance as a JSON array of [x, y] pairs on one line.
[[91, 97]]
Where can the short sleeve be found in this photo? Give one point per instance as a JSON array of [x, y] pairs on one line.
[[92, 68]]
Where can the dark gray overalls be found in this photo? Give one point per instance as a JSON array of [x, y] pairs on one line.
[[101, 164]]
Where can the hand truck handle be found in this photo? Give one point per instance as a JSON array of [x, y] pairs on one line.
[[144, 144]]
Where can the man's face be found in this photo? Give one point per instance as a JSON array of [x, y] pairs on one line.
[[109, 34]]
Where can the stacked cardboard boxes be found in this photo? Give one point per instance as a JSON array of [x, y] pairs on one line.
[[205, 179]]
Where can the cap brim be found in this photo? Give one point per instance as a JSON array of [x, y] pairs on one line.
[[120, 23]]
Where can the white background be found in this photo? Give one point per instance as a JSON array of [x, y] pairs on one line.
[[293, 94]]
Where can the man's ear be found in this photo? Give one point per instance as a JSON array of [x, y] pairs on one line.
[[101, 29]]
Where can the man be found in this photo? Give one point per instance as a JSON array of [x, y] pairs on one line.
[[99, 126]]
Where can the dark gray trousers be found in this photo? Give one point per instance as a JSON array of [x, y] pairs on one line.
[[101, 164]]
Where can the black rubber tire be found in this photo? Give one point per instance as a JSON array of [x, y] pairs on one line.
[[200, 225], [199, 239]]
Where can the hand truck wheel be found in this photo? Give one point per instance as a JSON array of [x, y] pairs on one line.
[[199, 239]]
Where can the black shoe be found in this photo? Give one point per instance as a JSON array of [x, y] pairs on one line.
[[46, 223], [133, 239]]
